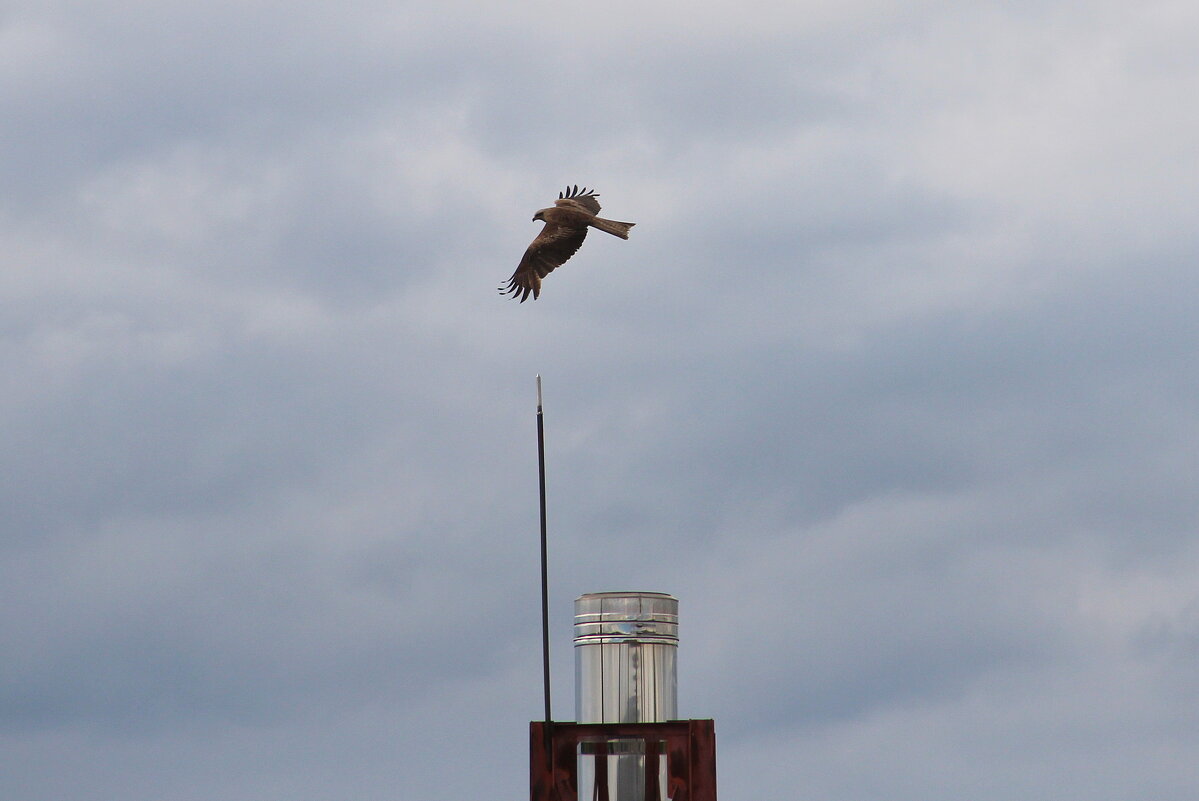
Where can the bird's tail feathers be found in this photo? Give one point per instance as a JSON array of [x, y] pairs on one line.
[[620, 229]]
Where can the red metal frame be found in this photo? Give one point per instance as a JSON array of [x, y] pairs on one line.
[[689, 746]]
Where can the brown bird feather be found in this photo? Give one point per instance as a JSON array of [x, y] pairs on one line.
[[566, 224]]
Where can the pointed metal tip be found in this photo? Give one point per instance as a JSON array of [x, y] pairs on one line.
[[539, 392]]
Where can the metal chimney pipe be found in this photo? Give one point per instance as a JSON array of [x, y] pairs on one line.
[[626, 646], [625, 657]]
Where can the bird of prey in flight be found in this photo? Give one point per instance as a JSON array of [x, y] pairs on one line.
[[566, 224]]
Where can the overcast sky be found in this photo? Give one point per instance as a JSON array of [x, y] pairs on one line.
[[895, 386]]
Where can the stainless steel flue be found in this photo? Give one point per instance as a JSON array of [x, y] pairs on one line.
[[625, 657], [625, 672]]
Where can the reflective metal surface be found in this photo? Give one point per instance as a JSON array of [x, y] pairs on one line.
[[625, 672], [625, 657]]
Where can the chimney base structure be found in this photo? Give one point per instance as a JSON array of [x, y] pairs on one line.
[[685, 750]]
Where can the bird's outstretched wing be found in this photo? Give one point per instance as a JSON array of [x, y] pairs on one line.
[[554, 245], [574, 197]]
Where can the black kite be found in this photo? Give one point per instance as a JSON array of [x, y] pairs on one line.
[[566, 224]]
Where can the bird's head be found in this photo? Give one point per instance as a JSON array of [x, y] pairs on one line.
[[540, 215]]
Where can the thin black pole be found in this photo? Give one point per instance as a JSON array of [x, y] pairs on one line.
[[545, 573]]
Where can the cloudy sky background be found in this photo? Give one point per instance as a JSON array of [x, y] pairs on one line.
[[894, 385]]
